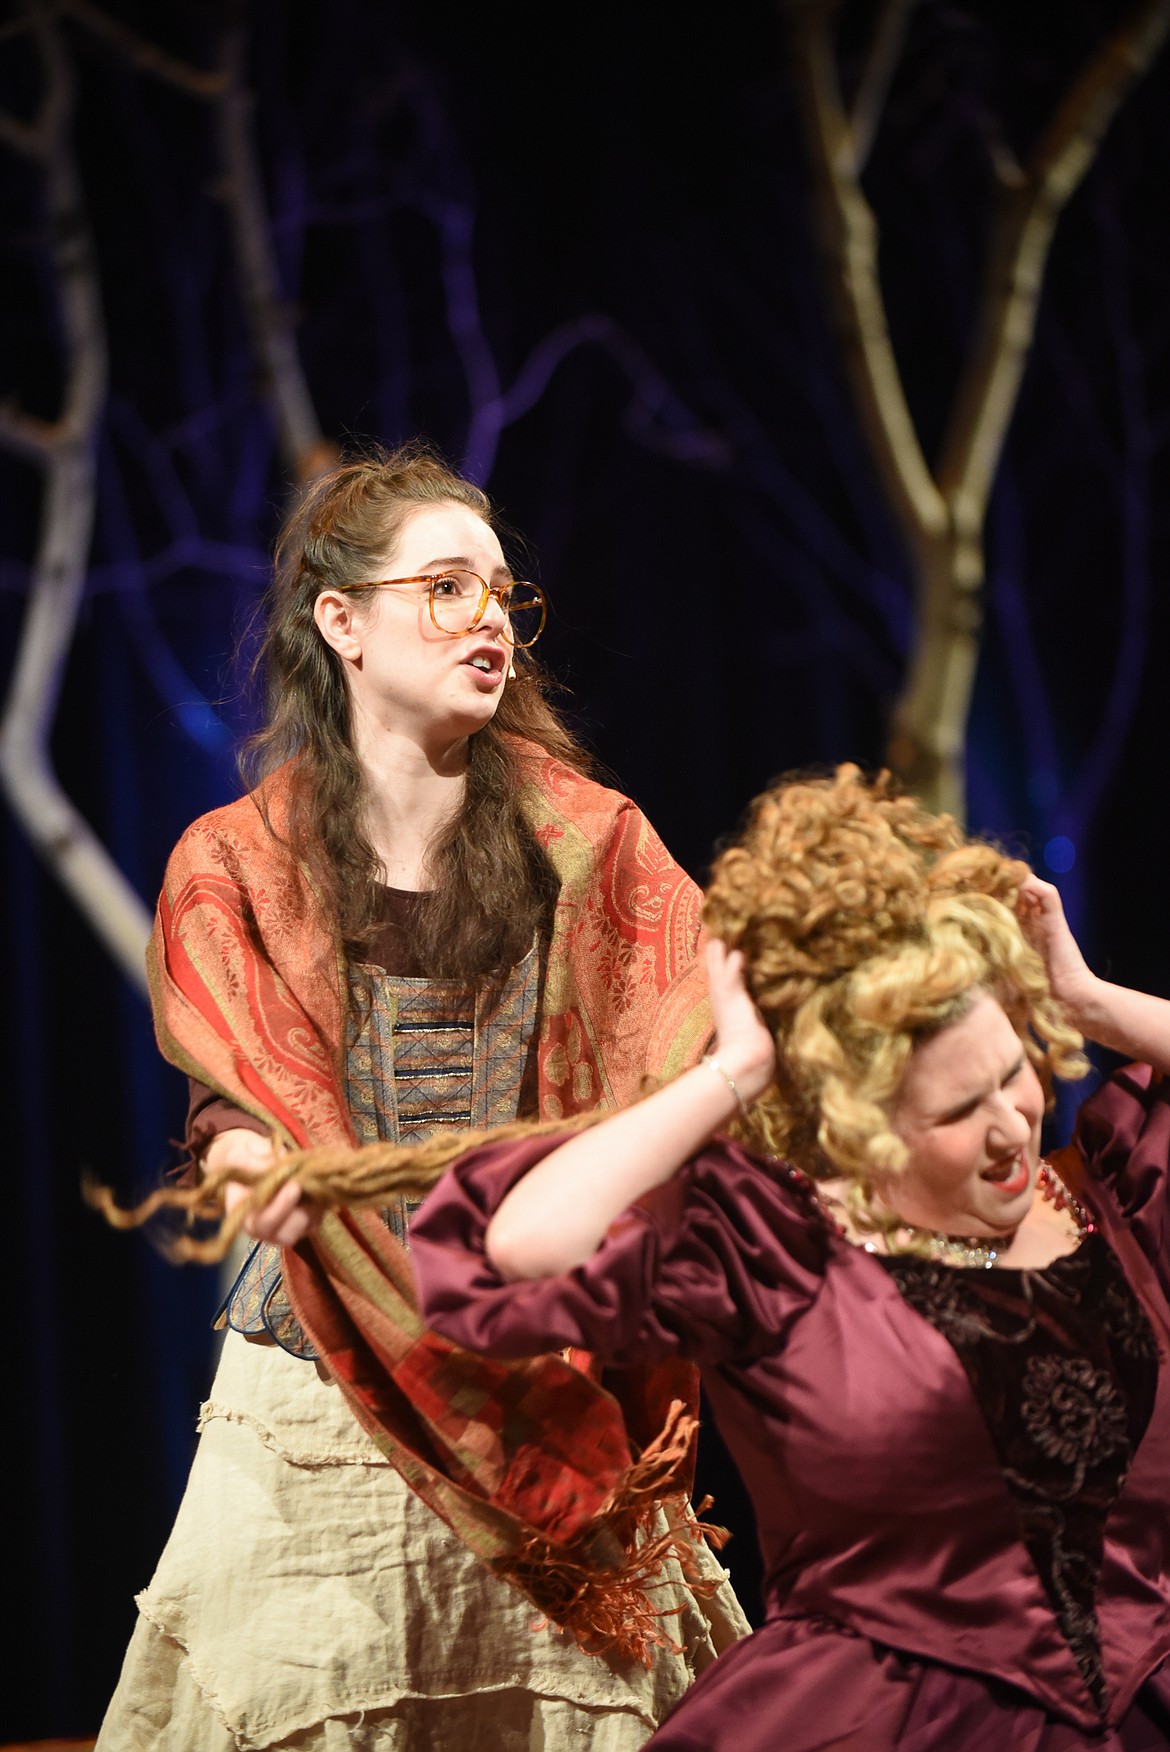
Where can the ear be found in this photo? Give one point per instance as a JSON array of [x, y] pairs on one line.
[[340, 623]]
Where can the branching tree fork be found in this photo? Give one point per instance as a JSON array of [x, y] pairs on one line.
[[65, 448], [941, 507], [942, 510], [305, 450]]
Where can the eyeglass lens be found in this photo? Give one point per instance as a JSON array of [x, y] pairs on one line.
[[456, 597]]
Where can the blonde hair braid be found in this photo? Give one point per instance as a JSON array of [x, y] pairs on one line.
[[366, 1176]]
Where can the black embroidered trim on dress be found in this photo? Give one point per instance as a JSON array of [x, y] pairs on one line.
[[1063, 1366]]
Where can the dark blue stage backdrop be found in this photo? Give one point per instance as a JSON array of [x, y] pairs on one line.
[[574, 248]]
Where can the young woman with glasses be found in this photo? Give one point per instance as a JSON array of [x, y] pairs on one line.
[[424, 917]]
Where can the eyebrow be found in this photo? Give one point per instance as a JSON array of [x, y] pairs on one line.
[[973, 1100], [453, 561]]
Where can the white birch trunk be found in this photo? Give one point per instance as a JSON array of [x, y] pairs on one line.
[[65, 449]]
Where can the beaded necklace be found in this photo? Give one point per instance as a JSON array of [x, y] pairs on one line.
[[979, 1251]]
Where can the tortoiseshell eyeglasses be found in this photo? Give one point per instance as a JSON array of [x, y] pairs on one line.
[[458, 602]]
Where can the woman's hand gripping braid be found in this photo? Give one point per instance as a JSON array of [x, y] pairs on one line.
[[558, 1214]]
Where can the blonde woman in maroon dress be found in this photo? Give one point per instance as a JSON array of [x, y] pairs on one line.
[[938, 1361]]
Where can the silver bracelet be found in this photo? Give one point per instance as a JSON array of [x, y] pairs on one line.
[[709, 1058]]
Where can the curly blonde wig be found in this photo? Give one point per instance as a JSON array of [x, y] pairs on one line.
[[866, 925]]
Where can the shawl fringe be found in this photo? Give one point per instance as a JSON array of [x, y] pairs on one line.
[[597, 1587]]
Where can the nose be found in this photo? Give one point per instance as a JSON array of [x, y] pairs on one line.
[[494, 618], [1010, 1127]]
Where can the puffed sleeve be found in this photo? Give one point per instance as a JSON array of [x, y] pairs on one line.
[[716, 1264], [1123, 1133]]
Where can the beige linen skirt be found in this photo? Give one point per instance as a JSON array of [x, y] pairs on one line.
[[308, 1599]]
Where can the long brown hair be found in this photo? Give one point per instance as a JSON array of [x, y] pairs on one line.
[[492, 886]]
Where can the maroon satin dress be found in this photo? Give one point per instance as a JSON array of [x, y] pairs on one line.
[[961, 1477]]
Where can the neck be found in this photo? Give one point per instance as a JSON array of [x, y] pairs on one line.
[[411, 794], [982, 1250], [1055, 1224]]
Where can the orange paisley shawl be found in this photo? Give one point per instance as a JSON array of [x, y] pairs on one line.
[[531, 1464]]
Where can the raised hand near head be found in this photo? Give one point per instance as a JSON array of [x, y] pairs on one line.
[[743, 1043], [1041, 913]]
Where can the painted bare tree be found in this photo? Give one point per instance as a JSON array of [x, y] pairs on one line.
[[942, 509], [305, 450], [65, 449]]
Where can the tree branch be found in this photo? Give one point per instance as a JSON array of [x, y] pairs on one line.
[[26, 435], [23, 137], [66, 452], [943, 515], [848, 233], [1021, 238], [142, 54], [881, 63], [307, 451]]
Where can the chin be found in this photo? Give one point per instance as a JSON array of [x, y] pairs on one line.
[[469, 722], [1005, 1214]]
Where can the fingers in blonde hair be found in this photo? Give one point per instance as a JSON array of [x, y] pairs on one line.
[[867, 924]]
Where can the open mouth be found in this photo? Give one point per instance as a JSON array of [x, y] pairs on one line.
[[489, 663], [1011, 1176]]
